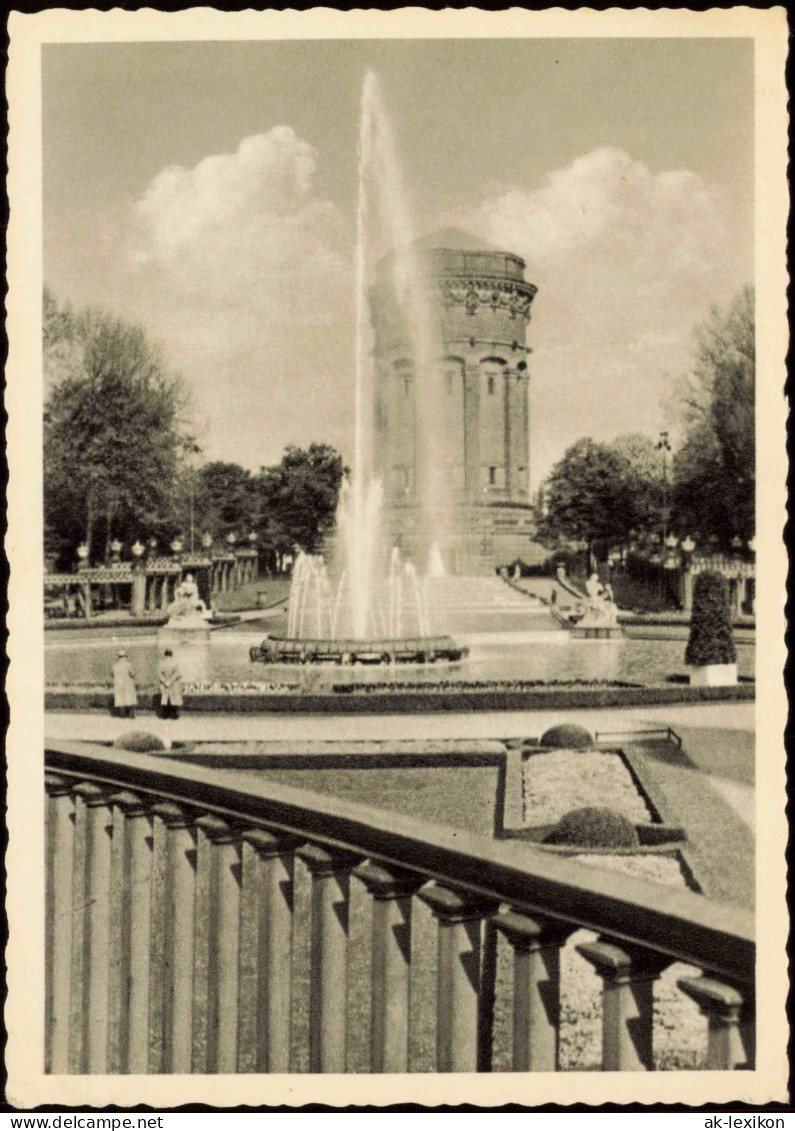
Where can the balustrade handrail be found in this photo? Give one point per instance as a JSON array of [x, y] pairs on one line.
[[679, 925]]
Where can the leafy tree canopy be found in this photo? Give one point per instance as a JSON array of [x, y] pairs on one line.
[[645, 475], [714, 471], [589, 495], [225, 499], [115, 430], [298, 498]]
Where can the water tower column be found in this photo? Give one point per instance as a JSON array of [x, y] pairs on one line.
[[472, 429]]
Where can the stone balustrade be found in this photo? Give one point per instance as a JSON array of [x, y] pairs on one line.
[[172, 933]]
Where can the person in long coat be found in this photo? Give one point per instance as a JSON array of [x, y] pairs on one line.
[[125, 696], [170, 686]]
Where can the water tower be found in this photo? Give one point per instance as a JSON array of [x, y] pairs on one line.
[[465, 424]]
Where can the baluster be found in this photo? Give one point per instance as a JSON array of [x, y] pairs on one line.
[[392, 890], [60, 863], [157, 944], [134, 1053], [127, 807], [628, 974], [171, 974], [460, 918], [205, 911], [97, 821], [179, 964], [536, 944], [328, 989], [78, 966], [216, 947], [266, 947], [731, 1022]]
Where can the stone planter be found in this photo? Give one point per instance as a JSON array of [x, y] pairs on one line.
[[713, 675]]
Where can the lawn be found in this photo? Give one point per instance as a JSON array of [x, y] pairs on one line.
[[261, 592], [461, 796]]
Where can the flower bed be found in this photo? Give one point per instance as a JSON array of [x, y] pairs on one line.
[[455, 685], [557, 781]]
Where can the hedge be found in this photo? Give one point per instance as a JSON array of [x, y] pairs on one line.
[[422, 702], [711, 639]]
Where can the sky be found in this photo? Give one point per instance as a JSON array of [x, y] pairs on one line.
[[208, 190]]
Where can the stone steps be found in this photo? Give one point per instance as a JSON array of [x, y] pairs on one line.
[[477, 593]]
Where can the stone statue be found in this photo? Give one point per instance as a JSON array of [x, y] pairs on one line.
[[601, 609], [187, 604]]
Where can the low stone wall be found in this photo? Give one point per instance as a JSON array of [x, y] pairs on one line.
[[425, 702]]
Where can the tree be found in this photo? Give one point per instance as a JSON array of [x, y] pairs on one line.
[[714, 474], [698, 503], [115, 432], [298, 499], [225, 499], [645, 477], [589, 495]]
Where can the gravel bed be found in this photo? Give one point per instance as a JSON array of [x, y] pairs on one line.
[[680, 1030], [557, 781]]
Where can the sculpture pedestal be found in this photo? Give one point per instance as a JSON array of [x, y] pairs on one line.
[[190, 644]]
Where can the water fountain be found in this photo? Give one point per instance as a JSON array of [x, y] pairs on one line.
[[370, 605]]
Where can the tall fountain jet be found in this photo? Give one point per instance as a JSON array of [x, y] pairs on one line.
[[365, 600], [383, 212]]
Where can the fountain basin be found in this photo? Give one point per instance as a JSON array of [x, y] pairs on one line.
[[404, 650]]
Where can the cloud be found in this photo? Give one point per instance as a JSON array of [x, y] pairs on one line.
[[627, 261], [244, 273]]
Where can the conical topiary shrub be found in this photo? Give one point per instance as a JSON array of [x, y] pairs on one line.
[[711, 643]]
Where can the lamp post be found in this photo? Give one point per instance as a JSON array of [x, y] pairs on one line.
[[687, 546], [115, 551], [254, 564], [231, 538], [138, 603], [663, 447], [82, 565]]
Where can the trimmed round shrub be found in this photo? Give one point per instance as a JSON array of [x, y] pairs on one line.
[[567, 736], [140, 742], [711, 638], [594, 828]]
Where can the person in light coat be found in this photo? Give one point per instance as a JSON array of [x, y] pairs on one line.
[[170, 686], [125, 697]]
